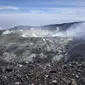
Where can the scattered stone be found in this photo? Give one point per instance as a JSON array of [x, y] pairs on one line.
[[77, 76], [74, 82]]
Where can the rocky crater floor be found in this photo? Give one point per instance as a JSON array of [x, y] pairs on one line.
[[39, 61]]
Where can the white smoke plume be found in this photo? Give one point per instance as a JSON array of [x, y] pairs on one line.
[[77, 30]]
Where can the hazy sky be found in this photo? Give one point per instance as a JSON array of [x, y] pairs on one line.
[[40, 12]]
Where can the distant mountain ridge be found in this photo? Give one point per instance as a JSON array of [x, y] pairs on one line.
[[46, 30], [62, 26]]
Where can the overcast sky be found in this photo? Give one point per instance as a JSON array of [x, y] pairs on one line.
[[40, 12]]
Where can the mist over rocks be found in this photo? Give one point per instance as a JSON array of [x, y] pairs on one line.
[[43, 56], [73, 29], [40, 42]]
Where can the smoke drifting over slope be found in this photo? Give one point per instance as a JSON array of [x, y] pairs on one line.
[[77, 30]]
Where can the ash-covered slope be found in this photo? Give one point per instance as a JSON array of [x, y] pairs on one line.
[[24, 43], [45, 50]]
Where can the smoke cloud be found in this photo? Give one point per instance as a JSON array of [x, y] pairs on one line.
[[77, 30]]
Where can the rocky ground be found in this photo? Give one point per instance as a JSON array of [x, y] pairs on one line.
[[71, 72], [39, 61]]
